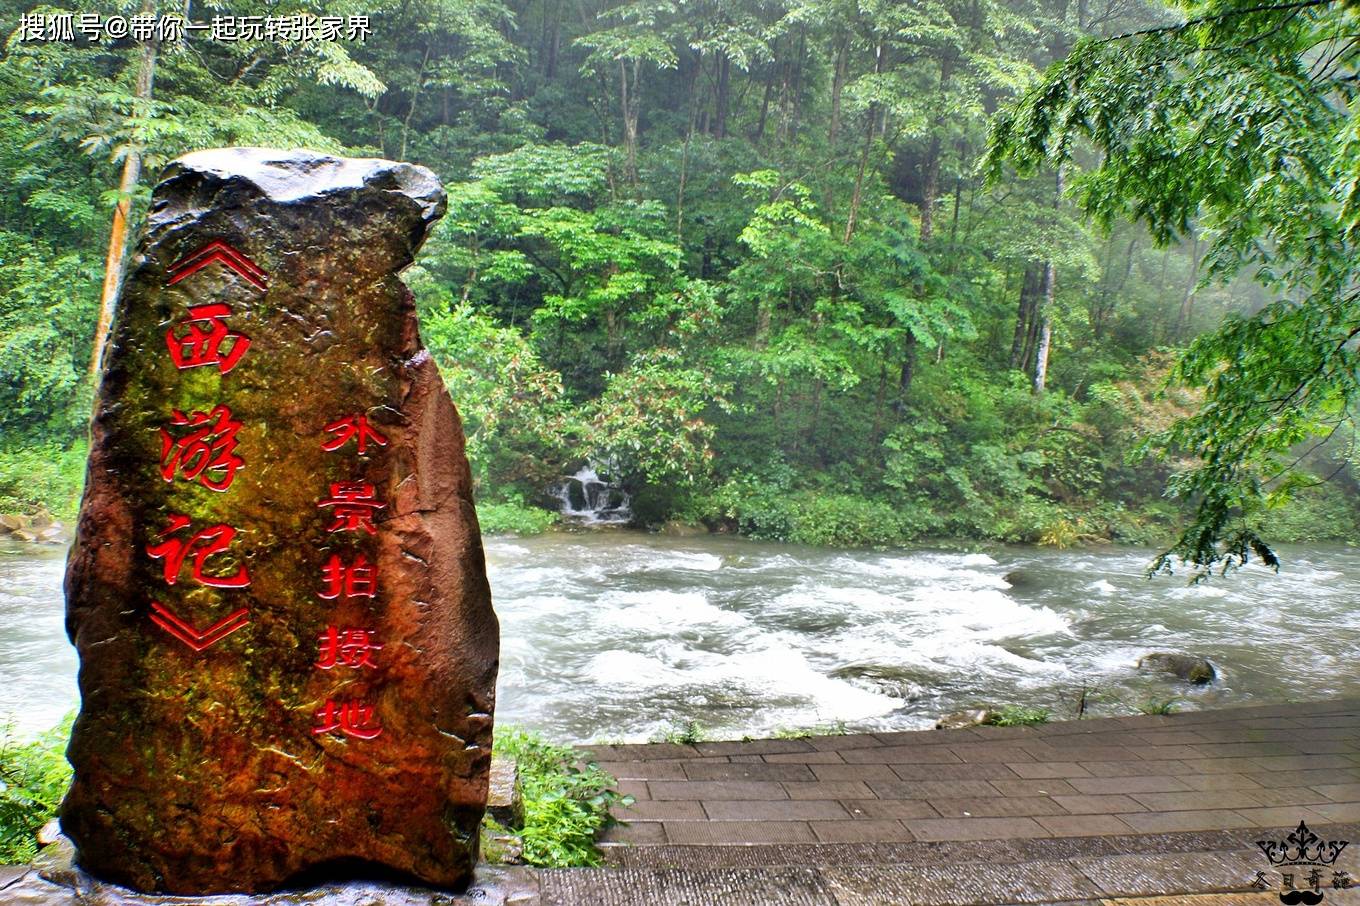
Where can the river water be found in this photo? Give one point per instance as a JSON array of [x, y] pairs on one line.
[[615, 635]]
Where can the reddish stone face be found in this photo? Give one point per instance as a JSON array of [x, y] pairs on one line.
[[277, 589]]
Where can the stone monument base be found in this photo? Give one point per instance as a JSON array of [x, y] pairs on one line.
[[54, 880]]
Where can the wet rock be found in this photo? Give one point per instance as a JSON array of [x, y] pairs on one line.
[[13, 522], [676, 529], [504, 799], [277, 587], [23, 535], [49, 833], [1189, 667], [54, 880], [973, 717], [895, 681]]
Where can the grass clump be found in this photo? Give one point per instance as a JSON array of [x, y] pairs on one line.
[[566, 801], [34, 776], [835, 728], [1018, 716], [687, 733]]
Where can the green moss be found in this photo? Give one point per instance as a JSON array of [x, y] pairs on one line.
[[1018, 716]]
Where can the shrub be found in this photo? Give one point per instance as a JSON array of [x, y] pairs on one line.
[[513, 518], [33, 777], [566, 802]]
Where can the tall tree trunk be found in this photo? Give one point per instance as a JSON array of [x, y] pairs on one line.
[[115, 261], [765, 106], [721, 102], [838, 87], [629, 102], [684, 154], [930, 188], [1029, 291], [856, 196], [1191, 285], [415, 96], [1045, 343]]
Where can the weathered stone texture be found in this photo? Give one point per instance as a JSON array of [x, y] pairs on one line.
[[200, 771]]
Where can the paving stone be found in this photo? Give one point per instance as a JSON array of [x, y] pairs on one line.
[[997, 753], [1214, 799], [1340, 792], [984, 771], [853, 772], [924, 737], [699, 770], [974, 828], [1277, 816], [1050, 787], [931, 789], [753, 747], [1221, 765], [685, 887], [1136, 768], [1124, 785], [869, 830], [739, 832], [843, 789], [647, 810], [1080, 753], [1286, 796], [1346, 811], [889, 808], [996, 807], [1169, 737], [919, 885], [644, 770], [1219, 782], [1208, 819], [816, 756], [1082, 825], [1044, 769], [635, 788], [1304, 778], [716, 789], [743, 759], [1302, 762], [901, 755], [1168, 752], [843, 743], [644, 752], [775, 810], [1152, 875], [634, 832], [1244, 749], [1098, 805]]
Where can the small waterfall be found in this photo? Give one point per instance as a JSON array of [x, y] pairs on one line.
[[587, 499]]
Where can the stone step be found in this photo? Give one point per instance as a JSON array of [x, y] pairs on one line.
[[1087, 880]]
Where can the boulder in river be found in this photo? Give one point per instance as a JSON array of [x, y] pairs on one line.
[[1189, 667]]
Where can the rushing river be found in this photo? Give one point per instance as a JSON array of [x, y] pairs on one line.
[[619, 635]]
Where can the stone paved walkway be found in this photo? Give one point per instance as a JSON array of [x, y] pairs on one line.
[[1252, 767], [1111, 812]]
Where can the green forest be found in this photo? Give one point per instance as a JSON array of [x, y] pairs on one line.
[[839, 272]]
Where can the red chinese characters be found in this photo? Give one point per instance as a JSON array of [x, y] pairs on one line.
[[352, 427], [201, 447], [347, 648], [207, 453], [354, 504], [358, 579], [199, 545], [206, 340], [352, 718]]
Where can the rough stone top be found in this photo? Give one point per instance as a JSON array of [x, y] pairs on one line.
[[286, 176]]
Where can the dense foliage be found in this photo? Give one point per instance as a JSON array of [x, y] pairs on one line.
[[34, 775], [566, 800], [740, 256]]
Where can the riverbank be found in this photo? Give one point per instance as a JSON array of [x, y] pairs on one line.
[[1092, 812]]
